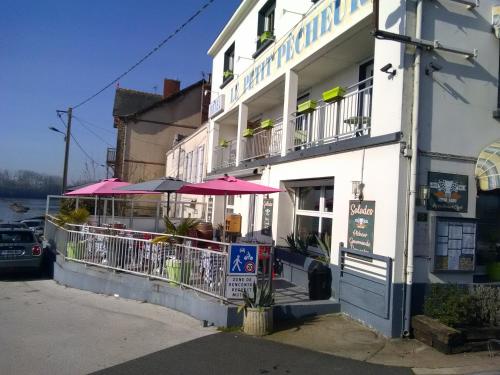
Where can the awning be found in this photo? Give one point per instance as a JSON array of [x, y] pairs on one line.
[[488, 167]]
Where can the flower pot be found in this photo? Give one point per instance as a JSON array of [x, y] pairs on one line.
[[493, 271], [247, 133], [178, 271], [307, 107], [267, 124], [258, 321], [333, 95], [265, 36], [223, 143], [228, 74]]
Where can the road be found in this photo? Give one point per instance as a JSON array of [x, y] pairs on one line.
[[46, 328]]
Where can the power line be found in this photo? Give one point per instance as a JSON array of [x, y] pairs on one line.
[[94, 125], [94, 133], [178, 30], [83, 150]]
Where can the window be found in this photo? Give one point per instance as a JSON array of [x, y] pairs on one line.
[[265, 28], [201, 163], [313, 212], [228, 64], [230, 204]]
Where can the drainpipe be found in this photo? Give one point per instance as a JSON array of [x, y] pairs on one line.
[[413, 172]]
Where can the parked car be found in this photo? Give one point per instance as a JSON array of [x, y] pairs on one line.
[[36, 225], [13, 225], [19, 249]]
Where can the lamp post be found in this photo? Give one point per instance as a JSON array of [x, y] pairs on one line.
[[67, 138]]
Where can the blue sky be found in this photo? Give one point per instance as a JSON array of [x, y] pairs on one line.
[[55, 53]]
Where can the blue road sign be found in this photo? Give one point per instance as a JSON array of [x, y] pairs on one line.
[[243, 259]]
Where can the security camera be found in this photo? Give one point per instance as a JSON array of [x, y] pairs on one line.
[[388, 70]]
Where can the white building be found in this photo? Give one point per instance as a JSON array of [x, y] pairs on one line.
[[409, 118]]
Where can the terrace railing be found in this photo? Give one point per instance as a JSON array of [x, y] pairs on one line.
[[330, 122], [265, 142], [190, 262], [224, 156]]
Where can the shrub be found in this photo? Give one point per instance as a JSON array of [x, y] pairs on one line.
[[486, 304]]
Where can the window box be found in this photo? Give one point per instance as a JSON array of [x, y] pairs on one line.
[[266, 35], [223, 143], [247, 133], [267, 124], [228, 74], [307, 107], [334, 95]]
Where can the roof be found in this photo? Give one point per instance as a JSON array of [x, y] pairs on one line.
[[130, 101], [170, 98], [228, 30]]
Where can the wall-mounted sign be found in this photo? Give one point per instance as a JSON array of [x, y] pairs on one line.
[[216, 106], [448, 192], [325, 22], [455, 247], [361, 225], [267, 217]]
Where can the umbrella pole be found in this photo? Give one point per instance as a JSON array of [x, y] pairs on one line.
[[168, 204], [98, 212], [113, 209], [224, 218]]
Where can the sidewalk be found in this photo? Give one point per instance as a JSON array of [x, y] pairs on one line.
[[341, 336]]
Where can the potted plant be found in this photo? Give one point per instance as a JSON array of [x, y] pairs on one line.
[[258, 312], [223, 143], [307, 107], [267, 124], [266, 35], [334, 95], [178, 270], [247, 133], [228, 74]]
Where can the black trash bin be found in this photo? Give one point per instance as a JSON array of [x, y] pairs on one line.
[[320, 281]]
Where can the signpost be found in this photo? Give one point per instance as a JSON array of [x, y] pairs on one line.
[[242, 270]]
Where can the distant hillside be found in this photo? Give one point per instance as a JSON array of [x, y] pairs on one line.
[[28, 184]]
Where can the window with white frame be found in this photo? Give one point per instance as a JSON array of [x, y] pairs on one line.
[[201, 163], [313, 211]]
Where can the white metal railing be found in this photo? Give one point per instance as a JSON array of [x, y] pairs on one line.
[[190, 262], [331, 122], [224, 156], [265, 142]]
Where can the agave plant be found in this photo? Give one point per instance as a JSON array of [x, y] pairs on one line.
[[78, 216], [298, 245], [325, 244], [262, 298], [184, 228]]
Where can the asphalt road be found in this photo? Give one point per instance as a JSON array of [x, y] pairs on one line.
[[46, 328]]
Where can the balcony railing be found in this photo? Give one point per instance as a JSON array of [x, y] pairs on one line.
[[224, 156], [111, 156], [265, 142], [331, 122]]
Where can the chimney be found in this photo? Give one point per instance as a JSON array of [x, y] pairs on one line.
[[170, 87]]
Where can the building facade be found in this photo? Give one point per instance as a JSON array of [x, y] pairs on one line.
[[372, 128]]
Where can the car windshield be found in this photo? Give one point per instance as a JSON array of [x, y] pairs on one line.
[[13, 225], [16, 237], [32, 223]]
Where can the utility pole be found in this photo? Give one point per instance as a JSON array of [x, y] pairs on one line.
[[67, 138]]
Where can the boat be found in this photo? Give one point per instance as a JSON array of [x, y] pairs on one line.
[[18, 207]]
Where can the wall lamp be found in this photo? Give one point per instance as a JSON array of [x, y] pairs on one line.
[[357, 190], [207, 91], [424, 192], [388, 69], [432, 67]]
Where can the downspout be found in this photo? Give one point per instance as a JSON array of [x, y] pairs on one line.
[[413, 172]]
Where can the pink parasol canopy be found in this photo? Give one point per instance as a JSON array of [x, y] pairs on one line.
[[107, 188], [227, 185]]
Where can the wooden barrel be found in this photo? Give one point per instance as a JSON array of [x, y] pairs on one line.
[[205, 230]]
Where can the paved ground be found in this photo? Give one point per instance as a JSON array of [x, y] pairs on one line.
[[46, 328], [229, 353], [338, 335]]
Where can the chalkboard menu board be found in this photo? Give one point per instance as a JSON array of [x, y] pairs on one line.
[[455, 244], [267, 217], [361, 225]]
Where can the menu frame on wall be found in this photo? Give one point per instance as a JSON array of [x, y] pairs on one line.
[[448, 192]]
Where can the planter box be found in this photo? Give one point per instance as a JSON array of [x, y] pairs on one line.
[[307, 107], [223, 143], [178, 271], [265, 36], [258, 321], [228, 74], [334, 95], [267, 124], [247, 133]]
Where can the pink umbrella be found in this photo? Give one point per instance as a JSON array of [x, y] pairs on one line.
[[107, 187], [227, 185]]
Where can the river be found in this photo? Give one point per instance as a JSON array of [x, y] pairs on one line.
[[36, 208]]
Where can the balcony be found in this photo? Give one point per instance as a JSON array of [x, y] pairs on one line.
[[111, 156], [264, 143], [332, 122], [224, 155]]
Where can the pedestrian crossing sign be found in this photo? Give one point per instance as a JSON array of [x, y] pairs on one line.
[[243, 259]]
